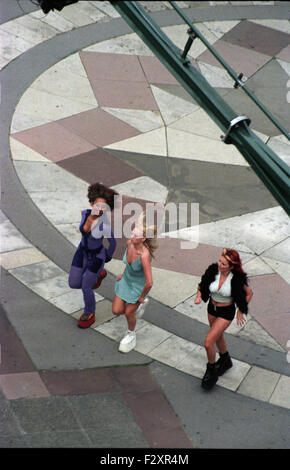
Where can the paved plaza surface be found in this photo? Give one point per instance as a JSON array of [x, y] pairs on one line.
[[83, 99]]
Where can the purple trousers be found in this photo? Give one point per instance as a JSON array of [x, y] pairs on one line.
[[84, 273]]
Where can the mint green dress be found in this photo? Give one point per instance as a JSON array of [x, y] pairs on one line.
[[130, 286]]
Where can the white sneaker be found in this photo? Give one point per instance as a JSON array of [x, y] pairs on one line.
[[141, 309], [128, 342]]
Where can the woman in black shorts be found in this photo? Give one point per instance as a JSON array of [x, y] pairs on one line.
[[225, 284]]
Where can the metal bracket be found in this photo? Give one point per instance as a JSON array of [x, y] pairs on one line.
[[188, 45], [239, 82], [233, 124]]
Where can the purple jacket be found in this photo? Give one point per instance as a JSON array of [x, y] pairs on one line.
[[93, 240]]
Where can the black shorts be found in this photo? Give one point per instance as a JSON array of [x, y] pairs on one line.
[[228, 312]]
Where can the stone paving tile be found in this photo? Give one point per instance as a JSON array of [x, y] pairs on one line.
[[259, 383], [79, 382], [54, 141], [23, 385], [11, 238], [27, 256], [257, 37], [280, 395], [161, 418], [117, 67], [127, 44], [149, 165], [143, 188], [284, 54], [98, 127], [238, 58], [143, 120], [50, 178], [267, 288], [172, 107], [153, 142], [155, 71], [21, 152], [99, 165], [14, 358], [132, 95], [44, 415]]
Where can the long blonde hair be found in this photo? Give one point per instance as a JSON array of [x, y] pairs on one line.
[[149, 232]]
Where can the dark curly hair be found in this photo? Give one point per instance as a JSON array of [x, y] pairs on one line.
[[97, 190]]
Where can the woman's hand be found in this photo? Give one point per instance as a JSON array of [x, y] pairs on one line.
[[119, 277], [240, 318], [197, 300], [141, 300]]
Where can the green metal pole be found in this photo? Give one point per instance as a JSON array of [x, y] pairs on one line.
[[230, 71], [267, 165]]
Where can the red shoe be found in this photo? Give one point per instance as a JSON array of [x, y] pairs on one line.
[[86, 321], [103, 274]]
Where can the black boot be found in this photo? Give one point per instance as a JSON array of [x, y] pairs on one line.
[[223, 363], [210, 377]]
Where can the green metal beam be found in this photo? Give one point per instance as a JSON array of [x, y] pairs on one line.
[[274, 173]]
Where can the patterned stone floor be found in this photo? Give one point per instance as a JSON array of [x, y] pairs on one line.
[[111, 112]]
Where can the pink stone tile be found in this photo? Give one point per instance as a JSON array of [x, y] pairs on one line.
[[98, 127], [118, 67], [132, 95], [23, 385], [239, 58], [171, 256], [278, 325], [54, 141], [284, 54], [271, 296], [155, 71]]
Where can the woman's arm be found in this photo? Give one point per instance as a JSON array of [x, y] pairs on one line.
[[249, 293], [145, 260]]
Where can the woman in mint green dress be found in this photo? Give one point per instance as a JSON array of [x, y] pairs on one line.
[[133, 285]]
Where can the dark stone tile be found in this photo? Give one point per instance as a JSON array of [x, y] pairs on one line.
[[210, 184], [58, 439], [14, 357], [8, 421], [98, 127], [153, 166], [257, 37], [44, 415], [270, 86], [12, 441], [98, 410], [242, 104], [99, 165], [79, 382], [135, 379], [124, 435]]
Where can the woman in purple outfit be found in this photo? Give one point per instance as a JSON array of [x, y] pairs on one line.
[[87, 271]]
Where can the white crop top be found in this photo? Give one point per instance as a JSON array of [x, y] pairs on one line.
[[224, 293]]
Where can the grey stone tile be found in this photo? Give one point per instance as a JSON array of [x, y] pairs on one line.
[[58, 439], [8, 421], [44, 415]]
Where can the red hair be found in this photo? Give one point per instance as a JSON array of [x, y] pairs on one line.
[[233, 257]]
